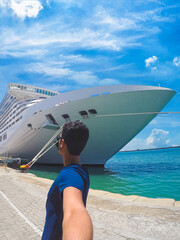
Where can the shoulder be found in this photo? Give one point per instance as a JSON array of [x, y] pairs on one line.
[[74, 170], [72, 176]]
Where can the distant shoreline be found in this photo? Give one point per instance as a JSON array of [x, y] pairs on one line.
[[149, 149]]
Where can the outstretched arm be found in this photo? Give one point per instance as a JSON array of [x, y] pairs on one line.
[[77, 224]]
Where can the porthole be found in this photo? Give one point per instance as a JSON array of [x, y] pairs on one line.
[[83, 113], [92, 111], [65, 116]]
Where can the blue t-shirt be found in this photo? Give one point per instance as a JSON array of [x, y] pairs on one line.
[[70, 176]]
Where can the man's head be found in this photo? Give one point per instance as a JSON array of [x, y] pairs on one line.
[[75, 136]]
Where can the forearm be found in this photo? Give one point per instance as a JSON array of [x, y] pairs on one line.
[[77, 226]]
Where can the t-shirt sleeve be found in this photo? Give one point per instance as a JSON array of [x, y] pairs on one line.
[[70, 178]]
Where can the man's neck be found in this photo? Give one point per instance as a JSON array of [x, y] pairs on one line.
[[71, 159]]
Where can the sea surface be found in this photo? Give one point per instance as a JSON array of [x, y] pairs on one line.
[[152, 173]]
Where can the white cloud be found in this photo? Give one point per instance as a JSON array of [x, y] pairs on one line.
[[150, 61], [84, 78], [176, 61], [3, 3], [49, 69], [154, 15], [154, 68], [109, 81], [44, 37], [75, 58], [23, 8], [57, 70], [158, 138], [102, 17], [69, 3]]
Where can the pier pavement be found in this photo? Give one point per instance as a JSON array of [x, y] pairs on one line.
[[114, 216]]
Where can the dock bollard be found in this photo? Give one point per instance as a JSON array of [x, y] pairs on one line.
[[24, 168]]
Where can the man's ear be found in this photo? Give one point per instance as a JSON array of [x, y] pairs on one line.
[[61, 146], [62, 143]]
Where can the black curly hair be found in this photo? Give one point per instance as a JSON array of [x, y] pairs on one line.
[[75, 135]]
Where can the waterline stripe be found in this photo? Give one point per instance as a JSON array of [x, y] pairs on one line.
[[36, 230]]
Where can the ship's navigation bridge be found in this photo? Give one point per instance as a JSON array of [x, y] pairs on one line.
[[22, 91]]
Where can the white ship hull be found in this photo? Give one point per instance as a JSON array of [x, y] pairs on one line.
[[111, 128]]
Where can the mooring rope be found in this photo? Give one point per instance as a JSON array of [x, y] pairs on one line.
[[41, 153], [35, 159]]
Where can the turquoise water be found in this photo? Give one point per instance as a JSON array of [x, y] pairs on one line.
[[154, 173]]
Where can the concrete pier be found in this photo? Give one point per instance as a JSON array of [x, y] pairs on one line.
[[114, 216]]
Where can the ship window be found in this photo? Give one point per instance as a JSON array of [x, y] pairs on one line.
[[51, 119], [5, 136], [92, 111], [29, 125], [65, 116], [83, 113]]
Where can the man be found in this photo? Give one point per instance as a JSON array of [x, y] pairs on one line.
[[66, 214]]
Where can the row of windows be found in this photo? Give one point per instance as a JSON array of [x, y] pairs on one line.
[[12, 103], [7, 109], [11, 124], [45, 92], [66, 116], [83, 113], [5, 102], [3, 137], [2, 126], [32, 89], [13, 113], [13, 107], [4, 99], [18, 105]]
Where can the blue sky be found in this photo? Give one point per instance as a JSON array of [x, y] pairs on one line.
[[66, 44]]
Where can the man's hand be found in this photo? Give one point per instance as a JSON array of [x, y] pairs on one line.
[[77, 224]]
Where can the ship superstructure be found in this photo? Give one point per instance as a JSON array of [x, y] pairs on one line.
[[18, 98], [29, 117]]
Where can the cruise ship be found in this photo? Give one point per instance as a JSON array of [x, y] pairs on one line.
[[30, 116]]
